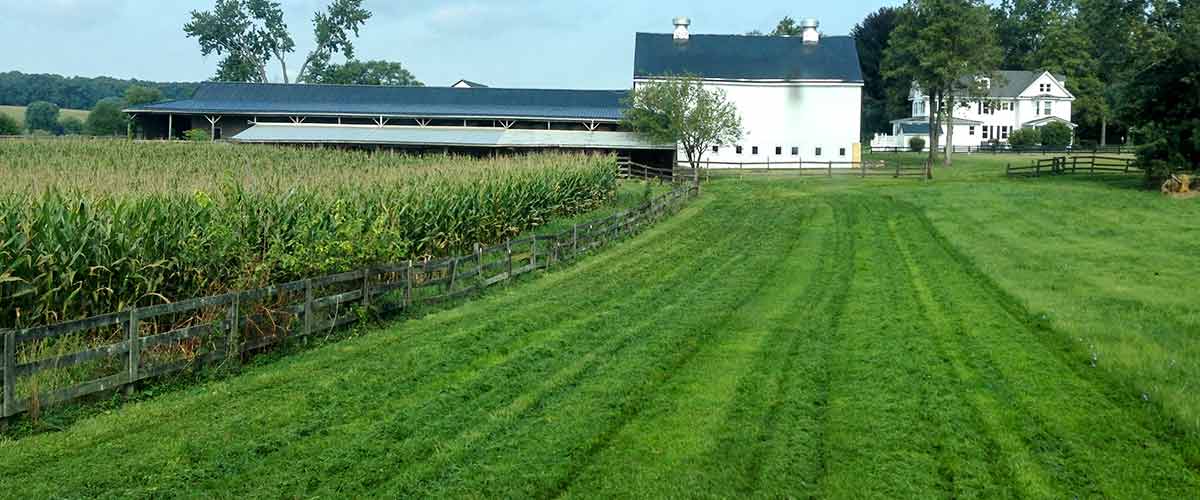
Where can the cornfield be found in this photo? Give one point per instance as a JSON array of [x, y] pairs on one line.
[[90, 227]]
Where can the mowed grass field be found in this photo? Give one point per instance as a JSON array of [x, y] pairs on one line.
[[974, 337], [18, 112]]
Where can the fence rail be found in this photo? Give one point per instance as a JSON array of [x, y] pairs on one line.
[[1017, 150], [145, 342], [1060, 165]]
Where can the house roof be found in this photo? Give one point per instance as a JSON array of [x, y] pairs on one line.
[[1010, 83], [469, 84], [277, 133], [369, 100], [740, 57], [925, 120], [1047, 119]]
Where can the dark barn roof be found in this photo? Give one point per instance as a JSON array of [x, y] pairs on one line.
[[367, 100], [740, 57]]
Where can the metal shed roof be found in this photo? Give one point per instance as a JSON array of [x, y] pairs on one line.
[[442, 136], [369, 100], [742, 57]]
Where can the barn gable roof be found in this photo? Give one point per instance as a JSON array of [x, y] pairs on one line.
[[742, 57]]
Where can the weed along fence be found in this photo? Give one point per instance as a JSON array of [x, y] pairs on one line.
[[53, 364], [861, 169], [1060, 165]]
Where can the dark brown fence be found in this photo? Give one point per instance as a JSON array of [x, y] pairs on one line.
[[1059, 165], [1006, 149], [59, 363]]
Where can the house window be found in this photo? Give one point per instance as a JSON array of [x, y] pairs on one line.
[[971, 130], [738, 150], [918, 108], [795, 151], [1004, 132], [841, 151], [754, 150], [1044, 88], [1046, 108], [818, 151], [1004, 106], [716, 149], [779, 150], [985, 132]]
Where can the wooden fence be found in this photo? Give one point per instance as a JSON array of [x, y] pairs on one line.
[[861, 169], [1060, 165], [1006, 149], [147, 342]]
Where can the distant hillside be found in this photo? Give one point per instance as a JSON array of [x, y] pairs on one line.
[[20, 89], [18, 112]]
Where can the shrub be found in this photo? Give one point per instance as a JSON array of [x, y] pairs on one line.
[[107, 118], [1056, 135], [71, 125], [1024, 137], [916, 144], [9, 125], [42, 115], [197, 135]]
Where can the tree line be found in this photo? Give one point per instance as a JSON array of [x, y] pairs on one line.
[[23, 89], [106, 118]]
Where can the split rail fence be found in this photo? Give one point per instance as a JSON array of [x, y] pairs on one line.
[[1061, 165], [148, 342], [861, 169]]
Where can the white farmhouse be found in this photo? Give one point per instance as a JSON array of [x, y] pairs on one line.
[[1011, 100], [800, 98]]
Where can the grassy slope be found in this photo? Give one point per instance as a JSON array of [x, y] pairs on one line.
[[777, 338], [18, 112]]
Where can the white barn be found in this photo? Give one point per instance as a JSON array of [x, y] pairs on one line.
[[1012, 100], [800, 98]]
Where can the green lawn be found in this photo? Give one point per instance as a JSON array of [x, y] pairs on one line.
[[970, 337], [18, 112]]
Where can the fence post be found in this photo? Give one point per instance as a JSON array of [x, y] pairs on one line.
[[830, 168], [533, 245], [574, 239], [232, 336], [478, 266], [132, 339], [9, 406], [408, 279], [366, 288], [508, 256], [863, 166], [308, 307]]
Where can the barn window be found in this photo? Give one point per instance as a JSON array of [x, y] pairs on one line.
[[716, 149], [754, 150], [841, 151], [818, 151], [795, 151], [778, 150], [738, 150]]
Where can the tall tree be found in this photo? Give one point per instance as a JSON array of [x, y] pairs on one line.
[[1113, 29], [683, 111], [107, 118], [43, 116], [365, 73], [249, 34], [137, 95], [938, 44], [1023, 27], [787, 27], [883, 98]]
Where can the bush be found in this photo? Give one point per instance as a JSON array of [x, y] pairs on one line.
[[71, 125], [1056, 135], [107, 118], [197, 135], [1024, 137], [9, 125], [42, 115], [916, 144]]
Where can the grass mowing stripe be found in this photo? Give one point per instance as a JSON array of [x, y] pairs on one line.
[[882, 439], [1058, 411], [584, 420], [680, 425]]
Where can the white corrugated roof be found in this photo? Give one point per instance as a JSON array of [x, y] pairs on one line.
[[441, 136]]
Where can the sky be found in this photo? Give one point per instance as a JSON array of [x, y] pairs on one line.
[[510, 43]]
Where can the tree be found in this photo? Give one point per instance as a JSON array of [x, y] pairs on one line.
[[249, 34], [883, 98], [1055, 134], [1112, 29], [682, 111], [107, 118], [71, 125], [137, 95], [365, 73], [9, 125], [42, 115], [787, 27], [937, 44], [21, 89]]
